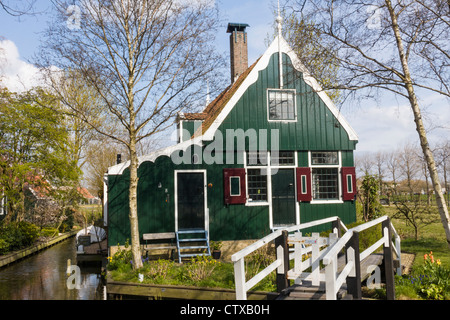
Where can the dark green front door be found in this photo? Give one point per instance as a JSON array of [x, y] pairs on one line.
[[191, 200], [283, 198]]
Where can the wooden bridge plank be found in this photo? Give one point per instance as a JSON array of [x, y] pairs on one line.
[[306, 291]]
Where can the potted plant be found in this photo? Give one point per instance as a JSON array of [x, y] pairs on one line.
[[215, 247]]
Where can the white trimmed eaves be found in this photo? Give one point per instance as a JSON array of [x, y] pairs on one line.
[[253, 77], [249, 80], [119, 168]]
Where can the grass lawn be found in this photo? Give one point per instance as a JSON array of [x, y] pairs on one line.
[[431, 238], [209, 273]]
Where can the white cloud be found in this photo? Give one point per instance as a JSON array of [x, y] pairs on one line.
[[16, 74], [384, 128]]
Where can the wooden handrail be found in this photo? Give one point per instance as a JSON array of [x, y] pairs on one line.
[[328, 256], [242, 286], [332, 283]]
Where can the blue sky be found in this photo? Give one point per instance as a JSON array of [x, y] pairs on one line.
[[380, 126]]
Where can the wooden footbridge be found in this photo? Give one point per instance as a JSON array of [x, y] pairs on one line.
[[328, 268]]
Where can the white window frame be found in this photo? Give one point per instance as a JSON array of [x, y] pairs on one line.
[[261, 167], [229, 182], [268, 105], [339, 182], [271, 170], [205, 197]]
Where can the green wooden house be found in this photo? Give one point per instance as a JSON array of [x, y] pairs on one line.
[[271, 150]]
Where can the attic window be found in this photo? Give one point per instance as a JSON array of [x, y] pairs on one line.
[[281, 105]]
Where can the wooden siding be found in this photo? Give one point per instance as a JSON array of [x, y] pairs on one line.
[[316, 127], [156, 209]]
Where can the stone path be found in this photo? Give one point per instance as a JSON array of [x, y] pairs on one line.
[[407, 262]]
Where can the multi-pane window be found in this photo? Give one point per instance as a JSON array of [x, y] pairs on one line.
[[325, 183], [257, 158], [283, 158], [325, 175], [323, 158], [281, 105], [257, 185]]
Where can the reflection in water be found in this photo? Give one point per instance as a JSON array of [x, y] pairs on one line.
[[43, 277]]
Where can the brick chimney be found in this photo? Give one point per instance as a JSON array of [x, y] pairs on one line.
[[238, 49]]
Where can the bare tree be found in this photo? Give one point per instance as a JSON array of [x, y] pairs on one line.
[[409, 165], [395, 46], [380, 158], [146, 59], [443, 155], [17, 8]]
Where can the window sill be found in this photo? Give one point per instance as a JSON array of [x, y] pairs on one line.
[[256, 203], [326, 201]]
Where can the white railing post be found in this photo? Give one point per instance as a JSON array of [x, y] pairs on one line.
[[330, 280], [397, 247], [351, 259], [239, 276], [315, 265], [298, 257]]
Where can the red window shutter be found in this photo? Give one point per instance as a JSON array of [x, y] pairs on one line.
[[234, 186], [304, 185], [348, 183]]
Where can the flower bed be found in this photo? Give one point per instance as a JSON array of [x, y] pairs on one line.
[[429, 281], [200, 271]]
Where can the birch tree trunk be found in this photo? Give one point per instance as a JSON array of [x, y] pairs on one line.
[[420, 128], [146, 60], [133, 214], [399, 47]]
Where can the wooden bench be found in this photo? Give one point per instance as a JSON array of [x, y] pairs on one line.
[[155, 241]]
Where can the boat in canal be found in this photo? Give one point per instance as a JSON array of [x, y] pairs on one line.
[[91, 245]]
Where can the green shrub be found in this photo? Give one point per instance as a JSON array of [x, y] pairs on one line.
[[49, 232], [367, 237], [17, 235], [4, 246], [29, 232]]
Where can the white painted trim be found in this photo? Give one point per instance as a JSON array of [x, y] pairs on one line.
[[105, 199], [295, 105], [334, 166], [118, 169], [229, 183], [349, 190], [276, 46], [205, 186], [269, 167], [279, 44]]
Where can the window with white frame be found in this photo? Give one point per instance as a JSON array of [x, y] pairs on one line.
[[281, 105], [282, 158], [257, 185], [325, 175]]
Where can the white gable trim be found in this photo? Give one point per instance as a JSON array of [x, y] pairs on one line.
[[119, 168], [263, 62], [251, 78]]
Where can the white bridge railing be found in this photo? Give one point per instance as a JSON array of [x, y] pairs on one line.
[[350, 242], [242, 286], [317, 249]]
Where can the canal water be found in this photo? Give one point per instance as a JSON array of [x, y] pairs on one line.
[[43, 276]]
